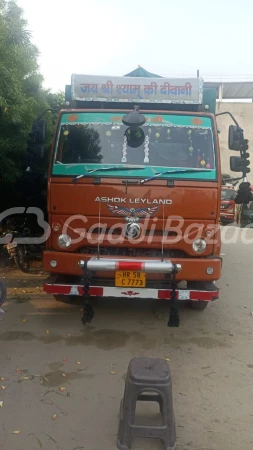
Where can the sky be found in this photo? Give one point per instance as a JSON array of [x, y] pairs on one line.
[[167, 37]]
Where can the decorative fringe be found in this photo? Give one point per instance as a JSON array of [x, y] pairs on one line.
[[88, 313], [244, 194], [174, 319]]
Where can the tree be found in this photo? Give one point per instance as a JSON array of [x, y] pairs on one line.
[[18, 72], [21, 95]]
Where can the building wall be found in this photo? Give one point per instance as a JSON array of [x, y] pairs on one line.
[[243, 113]]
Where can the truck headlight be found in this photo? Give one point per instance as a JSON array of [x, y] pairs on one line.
[[199, 245], [64, 241]]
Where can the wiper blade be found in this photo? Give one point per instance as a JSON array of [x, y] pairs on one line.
[[113, 168], [159, 174]]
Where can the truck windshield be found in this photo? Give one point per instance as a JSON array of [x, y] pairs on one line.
[[228, 194], [90, 140]]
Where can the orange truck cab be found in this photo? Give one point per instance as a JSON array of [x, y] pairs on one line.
[[227, 207], [134, 191]]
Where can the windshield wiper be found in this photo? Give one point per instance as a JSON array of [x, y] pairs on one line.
[[113, 168], [160, 174]]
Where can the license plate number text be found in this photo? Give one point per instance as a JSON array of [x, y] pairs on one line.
[[128, 278]]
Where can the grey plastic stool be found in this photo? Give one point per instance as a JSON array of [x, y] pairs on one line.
[[147, 375]]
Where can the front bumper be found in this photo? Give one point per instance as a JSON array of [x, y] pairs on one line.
[[105, 291], [227, 217], [192, 269]]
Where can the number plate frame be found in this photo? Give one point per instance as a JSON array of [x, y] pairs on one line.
[[130, 278]]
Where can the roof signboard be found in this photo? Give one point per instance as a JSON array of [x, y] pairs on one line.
[[137, 89]]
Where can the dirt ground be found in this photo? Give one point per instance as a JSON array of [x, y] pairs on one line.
[[64, 381]]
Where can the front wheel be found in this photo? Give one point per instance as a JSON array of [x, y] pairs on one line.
[[199, 305], [3, 292], [75, 299], [64, 298], [21, 260]]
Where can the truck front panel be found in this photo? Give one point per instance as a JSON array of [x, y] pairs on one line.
[[151, 193]]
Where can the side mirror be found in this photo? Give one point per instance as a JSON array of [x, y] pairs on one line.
[[237, 164], [235, 137], [39, 151], [39, 130]]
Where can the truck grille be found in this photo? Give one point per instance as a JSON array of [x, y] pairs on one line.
[[133, 252], [119, 231]]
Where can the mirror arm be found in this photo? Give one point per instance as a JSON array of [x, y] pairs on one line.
[[233, 179], [45, 111], [231, 115]]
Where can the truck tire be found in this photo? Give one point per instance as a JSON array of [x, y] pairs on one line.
[[65, 298], [3, 292], [74, 299], [200, 305]]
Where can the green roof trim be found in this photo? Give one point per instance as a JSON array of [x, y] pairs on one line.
[[140, 72]]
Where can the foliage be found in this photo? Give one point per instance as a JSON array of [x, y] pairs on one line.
[[22, 97]]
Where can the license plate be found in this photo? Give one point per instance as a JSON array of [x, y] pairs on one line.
[[128, 278], [10, 246]]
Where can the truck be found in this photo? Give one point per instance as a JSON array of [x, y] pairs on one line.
[[134, 191], [228, 206]]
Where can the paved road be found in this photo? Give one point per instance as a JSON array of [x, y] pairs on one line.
[[211, 362]]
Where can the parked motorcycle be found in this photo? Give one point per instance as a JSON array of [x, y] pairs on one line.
[[22, 254]]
